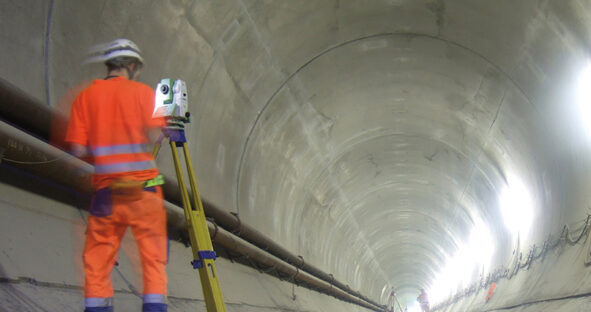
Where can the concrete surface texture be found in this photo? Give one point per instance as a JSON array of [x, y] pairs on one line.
[[397, 144]]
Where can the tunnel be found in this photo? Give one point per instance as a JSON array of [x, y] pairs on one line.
[[348, 153]]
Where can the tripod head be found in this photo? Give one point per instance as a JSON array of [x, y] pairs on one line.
[[171, 103]]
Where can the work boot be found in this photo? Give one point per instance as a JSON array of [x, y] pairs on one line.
[[100, 309], [154, 307]]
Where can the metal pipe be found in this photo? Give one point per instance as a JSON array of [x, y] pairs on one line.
[[25, 111], [231, 242], [36, 117], [39, 158], [233, 224], [28, 153]]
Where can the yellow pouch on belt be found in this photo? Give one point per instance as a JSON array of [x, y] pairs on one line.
[[128, 190]]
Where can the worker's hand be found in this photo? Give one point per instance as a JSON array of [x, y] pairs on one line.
[[78, 150], [82, 177]]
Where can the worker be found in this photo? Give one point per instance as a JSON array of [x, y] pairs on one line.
[[423, 301], [491, 291], [111, 121]]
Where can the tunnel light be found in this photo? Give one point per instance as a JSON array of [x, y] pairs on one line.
[[481, 245], [462, 267], [442, 286], [584, 97], [516, 207], [460, 270], [415, 307]]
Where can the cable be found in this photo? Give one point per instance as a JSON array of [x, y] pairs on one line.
[[129, 284], [30, 162], [504, 272], [75, 201], [541, 301], [2, 158]]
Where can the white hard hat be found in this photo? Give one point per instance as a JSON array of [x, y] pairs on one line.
[[114, 49]]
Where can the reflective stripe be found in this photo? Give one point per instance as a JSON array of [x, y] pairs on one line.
[[154, 298], [124, 167], [158, 180], [120, 149], [98, 302]]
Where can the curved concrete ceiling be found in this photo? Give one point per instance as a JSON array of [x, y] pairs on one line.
[[398, 134], [371, 137]]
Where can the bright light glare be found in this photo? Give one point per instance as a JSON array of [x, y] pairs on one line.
[[516, 207], [468, 261], [415, 307], [481, 245], [584, 97]]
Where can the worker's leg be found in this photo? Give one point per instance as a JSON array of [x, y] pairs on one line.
[[103, 236], [149, 228]]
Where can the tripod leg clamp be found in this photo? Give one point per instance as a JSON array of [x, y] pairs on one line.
[[204, 254], [175, 135]]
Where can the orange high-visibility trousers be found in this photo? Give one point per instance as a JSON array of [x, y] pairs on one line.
[[147, 218]]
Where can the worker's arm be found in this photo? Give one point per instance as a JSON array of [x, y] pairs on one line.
[[153, 126], [78, 150], [154, 135], [76, 133]]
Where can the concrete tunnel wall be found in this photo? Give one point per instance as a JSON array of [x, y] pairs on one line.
[[370, 137]]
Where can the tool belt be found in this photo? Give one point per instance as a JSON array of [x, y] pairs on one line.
[[131, 190]]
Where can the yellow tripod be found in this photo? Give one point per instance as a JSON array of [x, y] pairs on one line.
[[203, 254]]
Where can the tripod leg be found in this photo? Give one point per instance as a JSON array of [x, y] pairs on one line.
[[199, 235], [156, 149], [181, 182], [196, 197], [157, 145]]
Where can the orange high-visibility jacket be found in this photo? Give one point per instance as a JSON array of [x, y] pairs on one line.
[[111, 118]]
